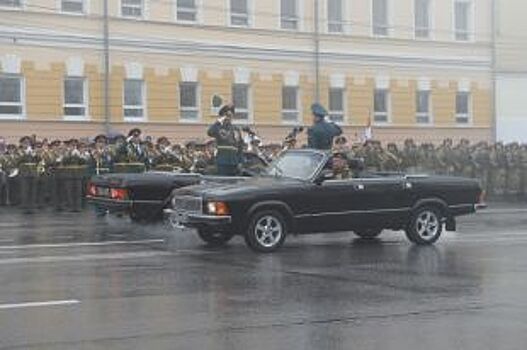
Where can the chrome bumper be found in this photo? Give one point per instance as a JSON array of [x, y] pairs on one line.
[[196, 219]]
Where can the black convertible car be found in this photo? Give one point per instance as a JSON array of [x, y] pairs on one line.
[[299, 193]]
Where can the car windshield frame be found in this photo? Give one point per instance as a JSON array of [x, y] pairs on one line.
[[311, 177]]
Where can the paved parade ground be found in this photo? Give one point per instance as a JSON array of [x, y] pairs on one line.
[[71, 281]]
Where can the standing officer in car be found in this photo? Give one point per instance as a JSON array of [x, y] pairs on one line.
[[228, 140], [321, 134]]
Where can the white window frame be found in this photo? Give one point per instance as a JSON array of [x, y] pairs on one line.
[[85, 8], [344, 104], [143, 106], [431, 21], [197, 13], [15, 8], [429, 113], [467, 116], [22, 103], [250, 15], [85, 96], [298, 109], [249, 109], [389, 20], [143, 11], [388, 112], [190, 109], [344, 7], [471, 21], [300, 15]]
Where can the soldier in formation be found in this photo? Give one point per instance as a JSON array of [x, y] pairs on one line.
[[35, 174]]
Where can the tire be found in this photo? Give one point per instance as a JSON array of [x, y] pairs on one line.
[[266, 231], [368, 233], [214, 239], [425, 226]]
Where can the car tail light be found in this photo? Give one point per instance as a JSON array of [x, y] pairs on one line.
[[218, 208], [119, 194], [92, 190]]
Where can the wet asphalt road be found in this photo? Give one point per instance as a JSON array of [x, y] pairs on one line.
[[75, 282]]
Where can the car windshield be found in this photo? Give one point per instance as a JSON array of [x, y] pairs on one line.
[[297, 165]]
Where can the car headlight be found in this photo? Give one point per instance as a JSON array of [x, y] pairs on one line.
[[217, 208]]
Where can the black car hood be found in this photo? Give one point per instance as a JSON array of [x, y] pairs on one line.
[[249, 185]]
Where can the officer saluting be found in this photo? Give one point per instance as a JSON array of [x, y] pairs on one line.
[[323, 131], [229, 142]]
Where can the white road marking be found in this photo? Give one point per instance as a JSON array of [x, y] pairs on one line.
[[82, 257], [39, 304], [80, 244]]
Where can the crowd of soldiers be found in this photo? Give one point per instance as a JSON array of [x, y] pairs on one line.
[[42, 173]]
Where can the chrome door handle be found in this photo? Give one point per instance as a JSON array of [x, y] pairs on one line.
[[359, 187], [408, 185]]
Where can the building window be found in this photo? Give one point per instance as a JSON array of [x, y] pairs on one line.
[[241, 99], [422, 103], [132, 8], [11, 3], [187, 11], [189, 101], [11, 96], [289, 18], [240, 13], [336, 104], [335, 19], [462, 19], [74, 97], [381, 105], [380, 15], [463, 107], [134, 99], [423, 13], [73, 6], [290, 103]]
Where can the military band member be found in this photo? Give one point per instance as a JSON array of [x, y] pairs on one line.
[[28, 161], [74, 167], [136, 149], [323, 131], [229, 142]]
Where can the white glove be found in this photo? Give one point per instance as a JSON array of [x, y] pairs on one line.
[[327, 119]]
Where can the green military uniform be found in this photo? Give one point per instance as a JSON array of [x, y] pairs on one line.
[[28, 164], [321, 134], [482, 166], [71, 172], [229, 143]]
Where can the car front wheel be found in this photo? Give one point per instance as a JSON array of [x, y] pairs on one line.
[[266, 232], [214, 239], [425, 226]]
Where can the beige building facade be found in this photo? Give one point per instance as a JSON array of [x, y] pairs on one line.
[[411, 68]]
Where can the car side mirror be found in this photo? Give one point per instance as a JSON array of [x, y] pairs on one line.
[[325, 175]]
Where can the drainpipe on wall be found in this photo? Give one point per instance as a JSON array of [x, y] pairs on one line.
[[106, 44], [494, 75], [316, 39]]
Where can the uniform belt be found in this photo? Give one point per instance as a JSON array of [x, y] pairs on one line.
[[230, 148]]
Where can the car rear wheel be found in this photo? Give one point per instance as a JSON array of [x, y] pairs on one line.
[[368, 233], [215, 239], [266, 232], [425, 226]]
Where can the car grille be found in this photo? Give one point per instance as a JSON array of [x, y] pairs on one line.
[[187, 204]]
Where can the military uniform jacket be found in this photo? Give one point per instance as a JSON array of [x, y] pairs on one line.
[[228, 140], [321, 135]]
